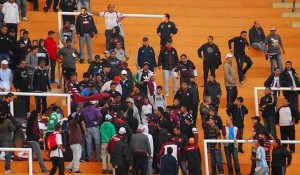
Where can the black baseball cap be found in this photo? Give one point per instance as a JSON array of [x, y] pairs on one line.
[[145, 39]]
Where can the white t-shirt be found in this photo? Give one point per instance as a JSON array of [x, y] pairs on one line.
[[110, 19], [57, 152], [11, 13]]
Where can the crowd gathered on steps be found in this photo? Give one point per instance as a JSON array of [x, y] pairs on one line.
[[135, 128]]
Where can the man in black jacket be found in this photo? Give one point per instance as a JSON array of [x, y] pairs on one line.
[[85, 30], [257, 36], [238, 112], [194, 89], [289, 78], [167, 61], [120, 157], [185, 96], [96, 66], [267, 106], [240, 43], [21, 82], [211, 52], [274, 81], [279, 156], [40, 83], [146, 54], [4, 42], [185, 68], [24, 45], [212, 88], [166, 30]]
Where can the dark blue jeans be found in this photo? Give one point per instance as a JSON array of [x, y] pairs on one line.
[[140, 161], [232, 152], [7, 154], [269, 122], [216, 160]]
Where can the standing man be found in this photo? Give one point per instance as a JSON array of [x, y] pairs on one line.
[[229, 80], [11, 15], [166, 30], [240, 43], [274, 81], [186, 97], [212, 88], [167, 61], [261, 163], [267, 106], [85, 30], [146, 54], [287, 116], [48, 5], [51, 46], [231, 132], [279, 158], [112, 19], [168, 163], [68, 55], [238, 112], [186, 68], [273, 43], [257, 37], [5, 44], [289, 78], [211, 52], [5, 77], [141, 150]]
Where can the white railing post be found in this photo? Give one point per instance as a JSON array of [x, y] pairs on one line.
[[256, 101], [205, 157], [30, 169]]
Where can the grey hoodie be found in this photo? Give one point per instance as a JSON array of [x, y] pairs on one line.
[[135, 110], [31, 62]]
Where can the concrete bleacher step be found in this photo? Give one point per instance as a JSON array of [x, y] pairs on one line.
[[285, 5]]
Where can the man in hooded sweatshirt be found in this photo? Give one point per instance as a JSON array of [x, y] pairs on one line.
[[141, 151], [107, 131], [150, 159], [130, 104]]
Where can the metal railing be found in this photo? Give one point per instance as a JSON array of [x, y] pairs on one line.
[[294, 5]]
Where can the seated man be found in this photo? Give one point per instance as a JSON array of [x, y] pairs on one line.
[[257, 36]]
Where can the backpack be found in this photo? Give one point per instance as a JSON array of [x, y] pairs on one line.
[[51, 142]]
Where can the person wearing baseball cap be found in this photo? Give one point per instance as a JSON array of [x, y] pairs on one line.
[[146, 54], [240, 43], [229, 80], [142, 77], [193, 157], [6, 76], [107, 131], [274, 48], [96, 66]]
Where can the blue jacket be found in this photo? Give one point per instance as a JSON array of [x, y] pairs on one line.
[[146, 54], [168, 165]]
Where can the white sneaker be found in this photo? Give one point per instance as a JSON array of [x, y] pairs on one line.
[[9, 172], [167, 94], [25, 19]]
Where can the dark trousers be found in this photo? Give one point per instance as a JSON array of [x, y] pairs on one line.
[[13, 26], [52, 72], [163, 42], [57, 162], [208, 66], [232, 153], [232, 93], [140, 161], [195, 170], [108, 34], [49, 2], [253, 162], [66, 72], [293, 99], [121, 171], [35, 4], [269, 122], [216, 108], [240, 147], [195, 112], [288, 133], [278, 171], [26, 99], [240, 60], [38, 102]]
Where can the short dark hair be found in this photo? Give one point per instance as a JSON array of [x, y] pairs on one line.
[[211, 37], [167, 15], [113, 84], [21, 60], [137, 86], [73, 73], [159, 87], [160, 123], [288, 62], [169, 107], [86, 75], [169, 150], [241, 99], [261, 142], [160, 109], [34, 47], [10, 94], [183, 55], [276, 68], [51, 32], [25, 32], [242, 32], [57, 127], [278, 141]]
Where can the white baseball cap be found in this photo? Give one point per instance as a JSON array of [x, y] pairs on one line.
[[272, 28], [229, 55], [4, 62], [124, 72], [122, 130]]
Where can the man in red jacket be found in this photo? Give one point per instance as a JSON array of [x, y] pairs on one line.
[[193, 157], [51, 46]]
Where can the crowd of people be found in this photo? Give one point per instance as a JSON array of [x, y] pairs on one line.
[[133, 125]]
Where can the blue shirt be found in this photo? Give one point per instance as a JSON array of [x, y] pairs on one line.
[[261, 155], [85, 92], [231, 133]]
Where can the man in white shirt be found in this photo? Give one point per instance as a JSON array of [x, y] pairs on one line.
[[112, 19], [5, 77], [11, 15], [56, 155], [261, 163]]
